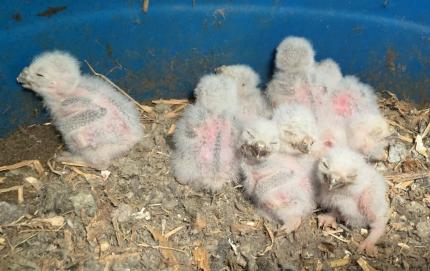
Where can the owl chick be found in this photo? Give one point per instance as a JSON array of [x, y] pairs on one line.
[[206, 136], [355, 191], [297, 128], [294, 62], [97, 123], [259, 139], [280, 184], [217, 93], [367, 133], [251, 101], [205, 156], [326, 74]]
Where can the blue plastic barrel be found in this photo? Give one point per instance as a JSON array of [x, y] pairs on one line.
[[163, 52]]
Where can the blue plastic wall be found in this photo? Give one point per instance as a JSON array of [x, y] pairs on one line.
[[162, 53]]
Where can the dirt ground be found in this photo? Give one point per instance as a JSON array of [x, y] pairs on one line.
[[139, 218]]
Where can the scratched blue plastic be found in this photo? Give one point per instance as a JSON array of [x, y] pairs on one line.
[[162, 53]]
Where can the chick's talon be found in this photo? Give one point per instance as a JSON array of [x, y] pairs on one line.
[[369, 248], [327, 220]]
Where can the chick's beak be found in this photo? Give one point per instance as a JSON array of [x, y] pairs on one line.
[[22, 75], [306, 145], [219, 69], [255, 150]]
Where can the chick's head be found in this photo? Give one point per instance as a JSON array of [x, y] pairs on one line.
[[217, 93], [297, 126], [294, 53], [50, 72], [339, 168], [259, 139], [245, 77]]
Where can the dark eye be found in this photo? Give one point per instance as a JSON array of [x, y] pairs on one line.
[[40, 75], [243, 84]]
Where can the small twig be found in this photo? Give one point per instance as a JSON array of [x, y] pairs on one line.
[[145, 6], [407, 176], [118, 233], [74, 164], [33, 163], [171, 101], [51, 168], [400, 126], [23, 241], [161, 247], [233, 246], [426, 131], [18, 188], [337, 237], [272, 241], [172, 232], [143, 108]]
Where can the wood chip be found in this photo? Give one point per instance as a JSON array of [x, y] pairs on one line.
[[340, 262], [171, 129], [55, 221], [145, 6], [18, 188], [87, 176], [407, 176], [200, 222], [175, 113], [34, 182], [35, 164], [404, 185], [201, 257], [2, 179], [365, 265], [272, 240], [171, 101], [163, 243], [406, 138], [404, 246], [172, 232], [419, 146]]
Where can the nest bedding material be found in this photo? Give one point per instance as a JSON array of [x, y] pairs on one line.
[[136, 216]]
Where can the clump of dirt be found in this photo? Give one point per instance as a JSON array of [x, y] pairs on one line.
[[138, 217], [37, 142]]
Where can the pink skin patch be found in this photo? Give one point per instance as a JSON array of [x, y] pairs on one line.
[[257, 176], [282, 197], [208, 134], [227, 153], [329, 144], [363, 203], [343, 104], [305, 184], [302, 95]]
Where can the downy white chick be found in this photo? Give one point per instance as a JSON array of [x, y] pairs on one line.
[[367, 133], [217, 93], [326, 74], [348, 105], [355, 191], [97, 123], [279, 183], [251, 101], [297, 128], [206, 136], [294, 62]]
